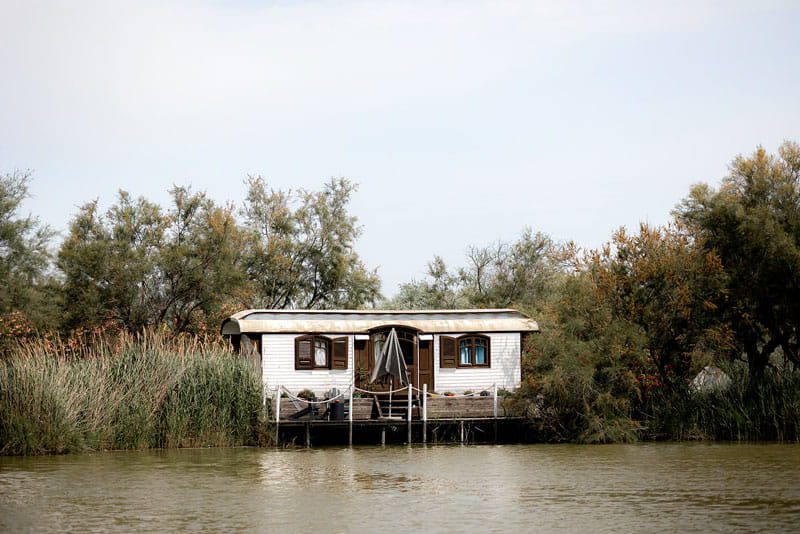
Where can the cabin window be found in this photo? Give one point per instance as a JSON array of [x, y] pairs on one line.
[[320, 352], [473, 351], [312, 352], [468, 351]]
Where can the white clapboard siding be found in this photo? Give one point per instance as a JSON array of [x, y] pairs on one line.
[[505, 370], [277, 364]]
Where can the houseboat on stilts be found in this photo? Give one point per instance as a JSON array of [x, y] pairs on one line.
[[447, 370]]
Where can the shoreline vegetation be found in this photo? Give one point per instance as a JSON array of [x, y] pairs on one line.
[[127, 392], [152, 391], [625, 328]]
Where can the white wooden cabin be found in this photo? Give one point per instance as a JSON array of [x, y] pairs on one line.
[[449, 350]]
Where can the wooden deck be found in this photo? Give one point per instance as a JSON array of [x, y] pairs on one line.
[[388, 432], [439, 420], [439, 407]]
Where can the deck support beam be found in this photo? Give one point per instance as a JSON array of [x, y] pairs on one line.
[[350, 417], [278, 416], [424, 413], [408, 412], [494, 409]]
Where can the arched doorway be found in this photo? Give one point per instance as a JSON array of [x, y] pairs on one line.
[[419, 372]]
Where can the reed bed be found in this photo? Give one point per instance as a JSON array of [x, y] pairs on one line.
[[769, 410], [765, 411], [129, 392]]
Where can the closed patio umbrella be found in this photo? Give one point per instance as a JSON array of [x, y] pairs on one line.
[[391, 365]]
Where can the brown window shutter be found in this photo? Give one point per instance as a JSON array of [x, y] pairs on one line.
[[447, 351], [303, 358], [339, 360]]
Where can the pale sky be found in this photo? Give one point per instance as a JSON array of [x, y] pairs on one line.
[[463, 122]]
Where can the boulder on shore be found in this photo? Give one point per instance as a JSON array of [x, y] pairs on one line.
[[711, 378]]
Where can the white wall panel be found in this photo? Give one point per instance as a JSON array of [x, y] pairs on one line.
[[505, 370], [278, 367]]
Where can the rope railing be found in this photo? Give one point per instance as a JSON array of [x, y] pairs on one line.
[[451, 396], [404, 388], [308, 401], [371, 392], [351, 388]]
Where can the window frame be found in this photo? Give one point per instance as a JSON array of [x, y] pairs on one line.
[[313, 339], [337, 351], [473, 354]]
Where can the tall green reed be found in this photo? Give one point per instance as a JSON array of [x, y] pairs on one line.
[[744, 411], [129, 392]]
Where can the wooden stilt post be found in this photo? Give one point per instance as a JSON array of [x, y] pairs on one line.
[[461, 429], [408, 413], [424, 413], [350, 417], [278, 416], [383, 435], [308, 435], [494, 409]]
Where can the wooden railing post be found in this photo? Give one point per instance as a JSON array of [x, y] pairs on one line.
[[350, 416], [494, 401], [408, 416], [494, 409], [424, 413], [277, 415]]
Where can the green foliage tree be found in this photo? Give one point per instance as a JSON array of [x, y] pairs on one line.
[[624, 334], [662, 281], [521, 274], [299, 249], [439, 290], [752, 223], [581, 372], [29, 297], [142, 267], [109, 263], [200, 262]]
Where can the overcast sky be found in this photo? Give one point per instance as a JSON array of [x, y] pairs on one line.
[[463, 122]]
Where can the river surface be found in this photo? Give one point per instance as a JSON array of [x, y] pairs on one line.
[[522, 488]]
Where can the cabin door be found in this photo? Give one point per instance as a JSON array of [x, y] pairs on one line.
[[418, 355], [425, 364], [408, 344], [364, 363]]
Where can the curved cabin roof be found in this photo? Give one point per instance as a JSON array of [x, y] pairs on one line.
[[362, 321]]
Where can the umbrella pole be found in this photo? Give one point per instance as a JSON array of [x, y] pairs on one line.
[[391, 387]]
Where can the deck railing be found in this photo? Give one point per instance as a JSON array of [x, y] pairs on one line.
[[352, 389]]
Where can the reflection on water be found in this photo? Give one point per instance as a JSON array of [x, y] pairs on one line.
[[716, 487]]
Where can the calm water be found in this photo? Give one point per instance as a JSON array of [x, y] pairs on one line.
[[647, 487]]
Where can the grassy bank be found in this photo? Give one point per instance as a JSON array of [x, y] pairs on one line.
[[128, 393], [564, 409], [768, 410]]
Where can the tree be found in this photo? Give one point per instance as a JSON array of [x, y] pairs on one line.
[[440, 289], [142, 267], [666, 284], [519, 274], [522, 274], [753, 224], [299, 251], [28, 287], [581, 371], [109, 263], [200, 262]]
